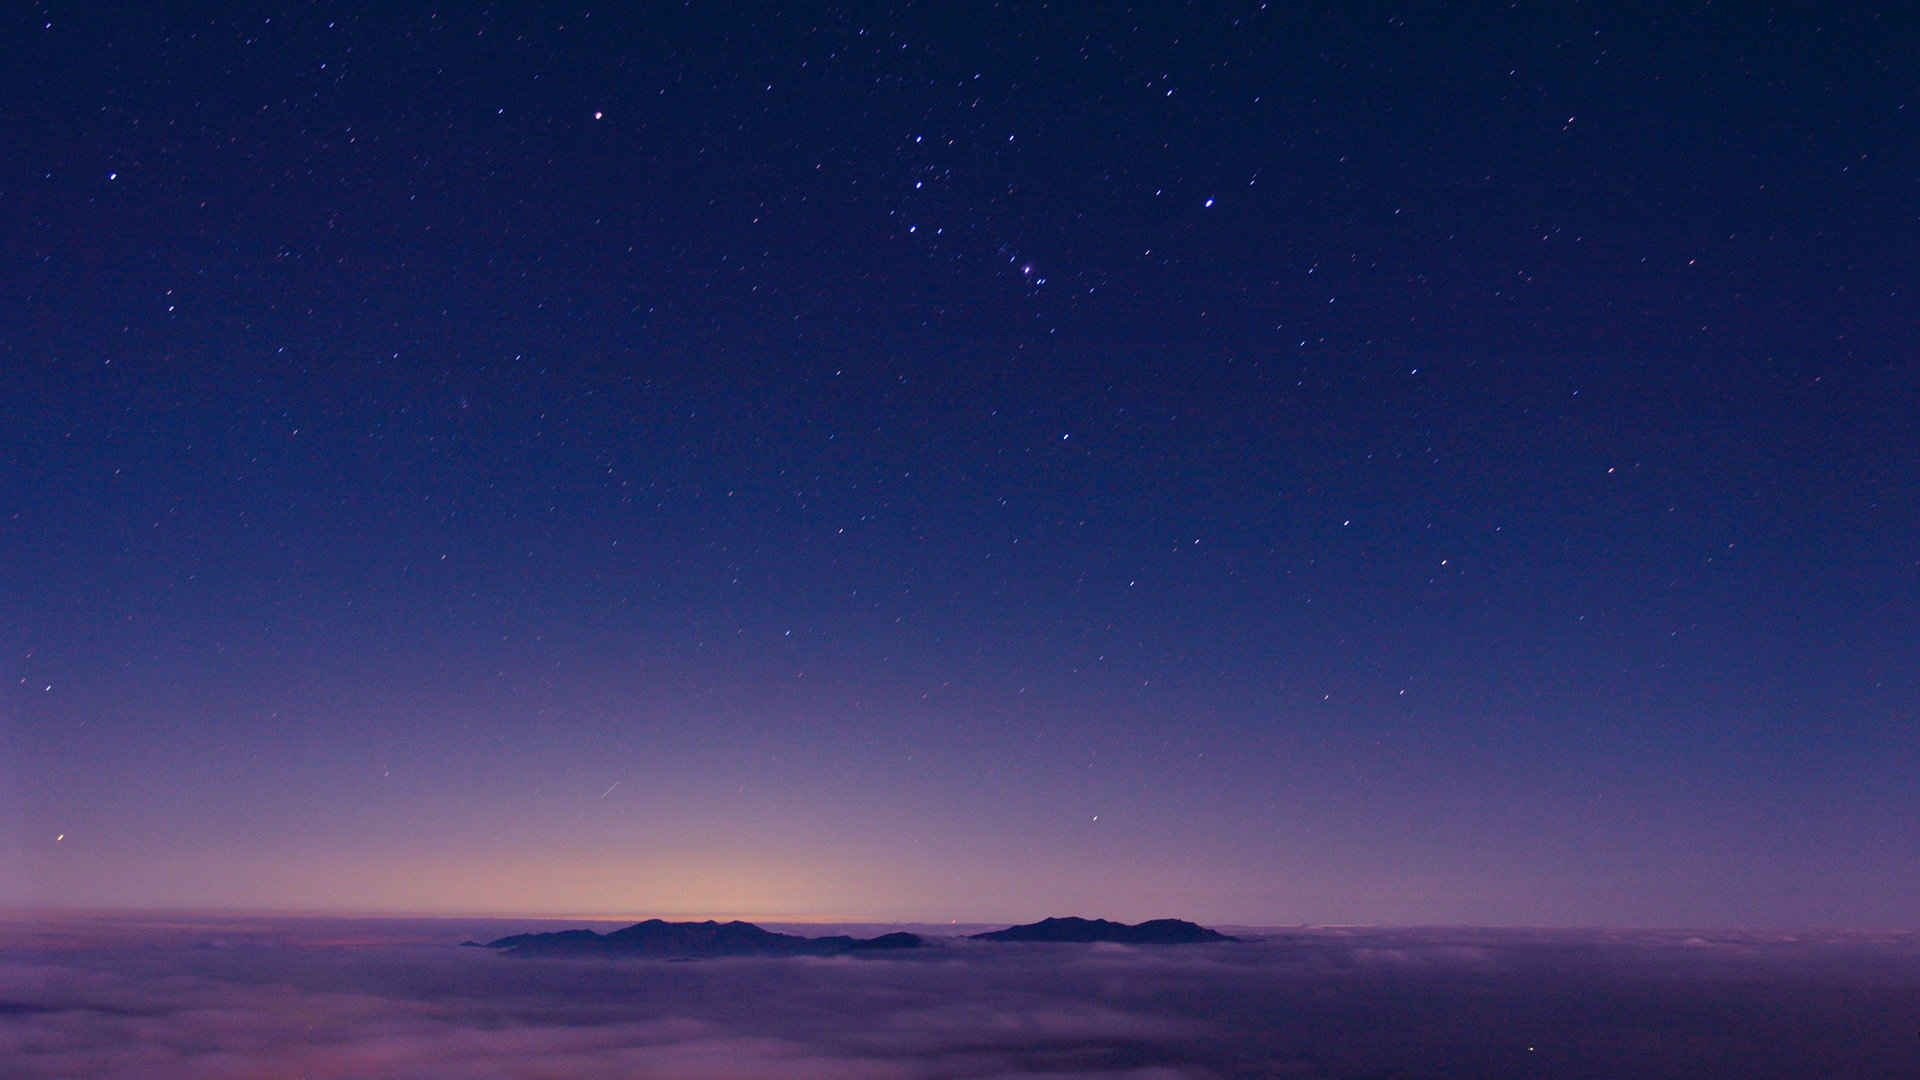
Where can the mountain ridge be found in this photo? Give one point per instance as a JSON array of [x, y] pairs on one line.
[[658, 937], [710, 938], [1074, 929]]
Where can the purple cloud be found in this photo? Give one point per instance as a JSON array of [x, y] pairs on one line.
[[171, 1003]]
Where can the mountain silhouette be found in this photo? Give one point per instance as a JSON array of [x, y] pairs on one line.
[[657, 937], [1072, 928]]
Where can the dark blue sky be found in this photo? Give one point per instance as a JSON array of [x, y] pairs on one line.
[[1443, 465]]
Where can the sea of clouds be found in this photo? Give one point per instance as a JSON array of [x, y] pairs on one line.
[[207, 999]]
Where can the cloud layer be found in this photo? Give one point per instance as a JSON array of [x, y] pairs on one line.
[[291, 1000]]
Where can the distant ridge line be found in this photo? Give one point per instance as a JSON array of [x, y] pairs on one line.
[[657, 937], [710, 938], [1073, 929]]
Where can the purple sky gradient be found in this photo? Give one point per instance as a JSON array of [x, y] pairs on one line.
[[1243, 465]]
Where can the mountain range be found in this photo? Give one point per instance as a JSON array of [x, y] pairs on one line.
[[657, 937], [685, 940], [1074, 929]]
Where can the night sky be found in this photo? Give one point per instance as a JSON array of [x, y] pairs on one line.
[[1418, 464]]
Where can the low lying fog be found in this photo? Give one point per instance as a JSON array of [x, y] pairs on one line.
[[388, 999]]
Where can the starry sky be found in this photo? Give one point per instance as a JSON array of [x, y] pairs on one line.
[[1262, 464]]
